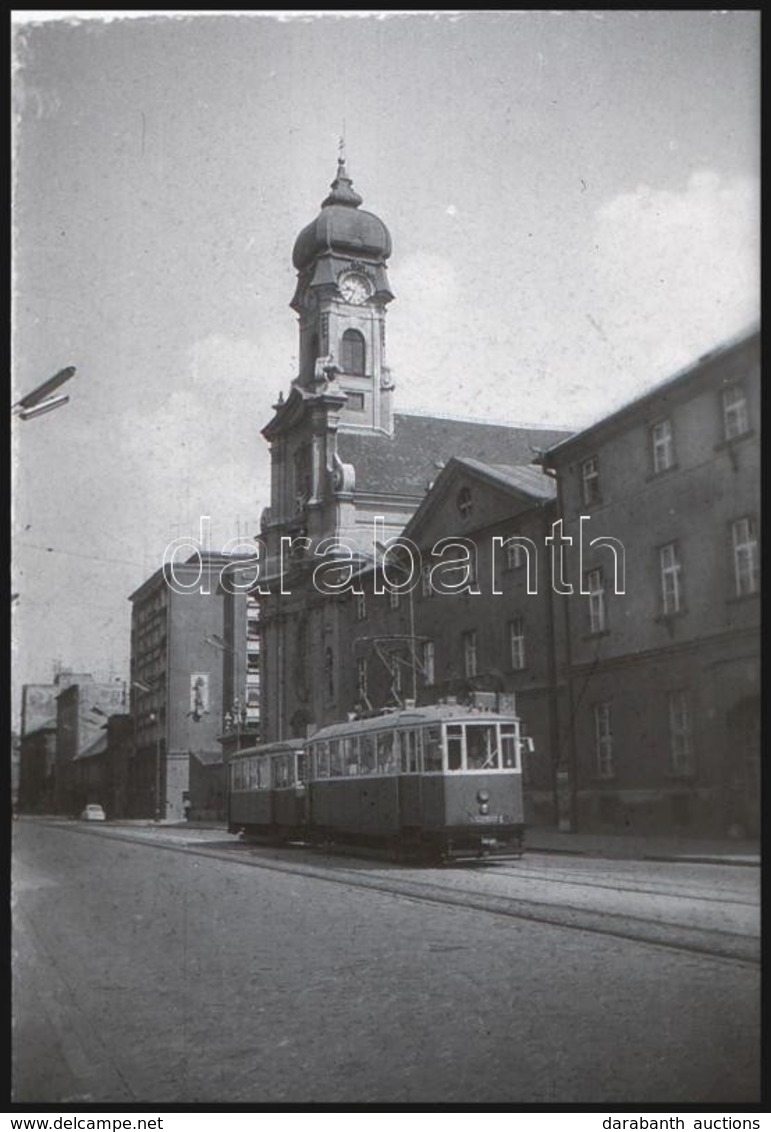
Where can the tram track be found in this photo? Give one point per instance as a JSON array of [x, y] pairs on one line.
[[554, 876], [711, 942]]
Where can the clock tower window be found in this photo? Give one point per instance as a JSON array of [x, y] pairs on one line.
[[353, 352]]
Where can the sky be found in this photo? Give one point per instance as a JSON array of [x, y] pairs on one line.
[[572, 199]]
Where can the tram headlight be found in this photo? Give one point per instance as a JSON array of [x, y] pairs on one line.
[[483, 795]]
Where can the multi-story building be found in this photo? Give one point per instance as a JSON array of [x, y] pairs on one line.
[[82, 709], [37, 754], [101, 772], [253, 649], [188, 685], [347, 470], [37, 769], [661, 665]]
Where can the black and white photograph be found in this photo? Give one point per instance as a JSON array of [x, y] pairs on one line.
[[385, 611]]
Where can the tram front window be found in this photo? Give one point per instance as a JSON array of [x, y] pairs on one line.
[[455, 746], [509, 748], [481, 747]]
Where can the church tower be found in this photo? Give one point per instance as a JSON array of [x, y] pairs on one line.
[[343, 384], [342, 389], [341, 298]]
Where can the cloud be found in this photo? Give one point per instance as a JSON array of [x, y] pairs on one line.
[[198, 450], [421, 338], [676, 272]]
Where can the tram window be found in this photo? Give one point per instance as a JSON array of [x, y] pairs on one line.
[[350, 750], [410, 752], [454, 746], [322, 760], [262, 774], [386, 755], [367, 754], [432, 749], [301, 770], [509, 747], [335, 759], [481, 747], [282, 776]]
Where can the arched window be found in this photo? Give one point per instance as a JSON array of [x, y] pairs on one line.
[[352, 352]]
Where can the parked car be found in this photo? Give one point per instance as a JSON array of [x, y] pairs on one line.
[[93, 813]]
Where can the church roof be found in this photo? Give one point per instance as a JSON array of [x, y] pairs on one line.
[[342, 226], [410, 460], [528, 479]]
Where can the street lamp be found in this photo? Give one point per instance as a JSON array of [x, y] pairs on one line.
[[40, 401]]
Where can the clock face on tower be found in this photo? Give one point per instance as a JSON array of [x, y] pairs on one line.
[[354, 288]]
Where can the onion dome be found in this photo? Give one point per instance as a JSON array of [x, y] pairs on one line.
[[342, 228]]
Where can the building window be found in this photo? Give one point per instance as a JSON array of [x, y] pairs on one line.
[[428, 661], [464, 502], [595, 587], [735, 419], [361, 607], [590, 480], [355, 401], [396, 677], [603, 741], [671, 579], [329, 673], [302, 476], [680, 737], [470, 653], [662, 446], [515, 555], [517, 642], [361, 678], [744, 542], [425, 577], [353, 352], [252, 662]]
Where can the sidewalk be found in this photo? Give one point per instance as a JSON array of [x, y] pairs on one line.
[[548, 839]]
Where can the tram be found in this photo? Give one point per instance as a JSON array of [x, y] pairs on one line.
[[435, 782]]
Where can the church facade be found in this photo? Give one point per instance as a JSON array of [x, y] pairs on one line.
[[347, 469]]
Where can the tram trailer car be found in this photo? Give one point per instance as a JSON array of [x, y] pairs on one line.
[[267, 795], [440, 781]]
